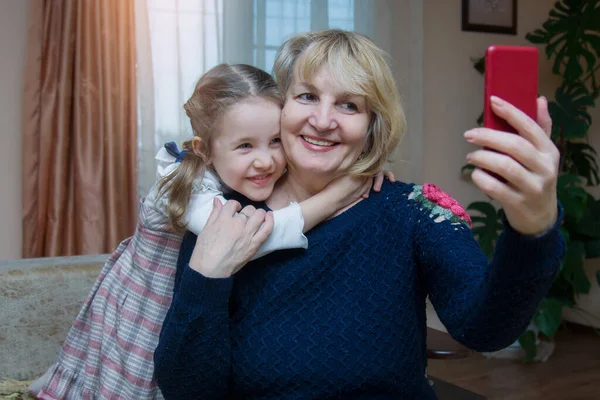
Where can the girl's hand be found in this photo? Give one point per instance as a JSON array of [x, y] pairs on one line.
[[378, 179], [529, 163], [230, 239]]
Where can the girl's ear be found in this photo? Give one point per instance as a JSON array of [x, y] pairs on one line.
[[199, 149]]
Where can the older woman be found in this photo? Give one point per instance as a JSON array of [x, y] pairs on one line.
[[346, 317]]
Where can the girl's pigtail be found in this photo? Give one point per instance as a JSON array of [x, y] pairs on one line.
[[178, 186]]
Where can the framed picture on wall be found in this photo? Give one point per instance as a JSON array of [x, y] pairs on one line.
[[493, 16]]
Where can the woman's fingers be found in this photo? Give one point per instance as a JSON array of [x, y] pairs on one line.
[[508, 143], [526, 127], [494, 188], [230, 240], [246, 213], [504, 166], [264, 230], [231, 207], [543, 115], [256, 218], [217, 206], [532, 147]]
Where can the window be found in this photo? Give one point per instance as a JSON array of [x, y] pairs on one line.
[[177, 40], [340, 14], [185, 41], [277, 20]]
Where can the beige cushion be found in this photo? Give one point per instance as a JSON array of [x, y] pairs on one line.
[[39, 299]]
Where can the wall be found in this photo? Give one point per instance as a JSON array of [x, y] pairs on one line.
[[453, 99], [13, 41]]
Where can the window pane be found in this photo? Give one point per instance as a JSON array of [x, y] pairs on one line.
[[185, 43], [282, 19], [269, 59], [341, 14]]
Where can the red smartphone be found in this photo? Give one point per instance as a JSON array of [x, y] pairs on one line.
[[511, 73]]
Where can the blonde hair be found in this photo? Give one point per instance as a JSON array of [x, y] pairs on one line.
[[358, 65], [216, 91]]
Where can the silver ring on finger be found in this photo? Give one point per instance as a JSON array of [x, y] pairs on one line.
[[244, 214]]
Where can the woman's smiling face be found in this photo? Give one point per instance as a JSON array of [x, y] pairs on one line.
[[323, 127]]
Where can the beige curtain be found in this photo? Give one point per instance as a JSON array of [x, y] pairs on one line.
[[79, 127]]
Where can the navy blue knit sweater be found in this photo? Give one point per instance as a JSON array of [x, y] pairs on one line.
[[346, 317]]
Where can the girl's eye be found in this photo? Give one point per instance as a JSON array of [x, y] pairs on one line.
[[307, 97], [276, 141], [244, 146], [350, 107]]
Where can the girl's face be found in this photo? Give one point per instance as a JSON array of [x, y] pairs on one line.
[[247, 153], [323, 127]]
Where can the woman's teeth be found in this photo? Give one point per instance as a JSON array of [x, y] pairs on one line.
[[318, 142]]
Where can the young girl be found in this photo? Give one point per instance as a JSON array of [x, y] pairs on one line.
[[234, 112]]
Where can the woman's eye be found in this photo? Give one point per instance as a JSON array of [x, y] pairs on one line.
[[350, 107], [307, 97], [244, 146]]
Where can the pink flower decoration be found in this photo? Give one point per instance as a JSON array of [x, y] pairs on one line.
[[443, 199]]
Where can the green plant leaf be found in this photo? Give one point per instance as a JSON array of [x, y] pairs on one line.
[[587, 228], [580, 159], [565, 34], [572, 196], [527, 342], [570, 118], [572, 267], [483, 207], [537, 37], [479, 64], [486, 225], [467, 169], [574, 70], [548, 316], [566, 235], [592, 248], [562, 290], [594, 42]]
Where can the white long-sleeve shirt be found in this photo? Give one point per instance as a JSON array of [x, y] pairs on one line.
[[288, 222]]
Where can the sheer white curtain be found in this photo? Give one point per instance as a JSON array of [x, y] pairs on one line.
[[179, 40]]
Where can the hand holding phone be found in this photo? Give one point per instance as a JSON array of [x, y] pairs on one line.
[[528, 160]]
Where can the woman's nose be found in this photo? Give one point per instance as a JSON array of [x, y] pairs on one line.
[[322, 118]]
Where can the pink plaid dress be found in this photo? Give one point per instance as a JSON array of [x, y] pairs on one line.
[[108, 353]]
